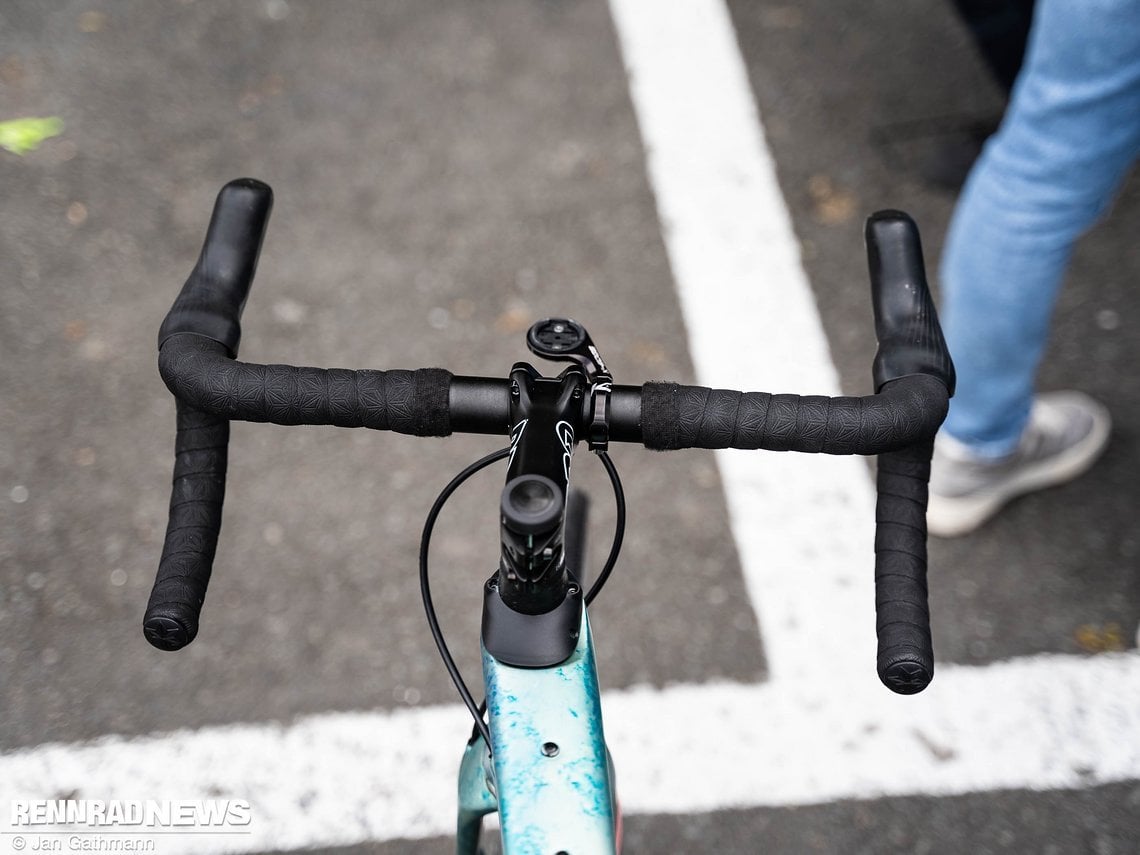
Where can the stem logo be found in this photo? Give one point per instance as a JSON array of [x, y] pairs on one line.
[[516, 438], [565, 433]]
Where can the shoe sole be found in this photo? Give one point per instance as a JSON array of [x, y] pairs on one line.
[[951, 517]]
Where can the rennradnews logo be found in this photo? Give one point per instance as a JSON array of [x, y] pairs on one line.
[[131, 814]]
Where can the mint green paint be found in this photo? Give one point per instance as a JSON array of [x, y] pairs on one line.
[[546, 803]]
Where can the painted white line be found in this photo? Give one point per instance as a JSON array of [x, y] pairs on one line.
[[323, 781], [1040, 723], [802, 524], [822, 728]]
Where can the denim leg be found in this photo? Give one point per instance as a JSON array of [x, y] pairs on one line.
[[1070, 134]]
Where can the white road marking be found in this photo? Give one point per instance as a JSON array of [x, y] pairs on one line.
[[802, 524], [822, 728]]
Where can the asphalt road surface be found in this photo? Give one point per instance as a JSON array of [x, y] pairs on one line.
[[446, 173]]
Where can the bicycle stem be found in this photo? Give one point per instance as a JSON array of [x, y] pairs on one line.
[[532, 607]]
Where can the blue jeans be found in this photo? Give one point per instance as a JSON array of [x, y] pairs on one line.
[[1068, 139]]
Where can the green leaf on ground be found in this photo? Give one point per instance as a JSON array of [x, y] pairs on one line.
[[20, 136]]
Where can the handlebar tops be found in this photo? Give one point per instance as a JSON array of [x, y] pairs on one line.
[[198, 345]]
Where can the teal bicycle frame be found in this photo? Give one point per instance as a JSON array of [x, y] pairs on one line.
[[548, 772]]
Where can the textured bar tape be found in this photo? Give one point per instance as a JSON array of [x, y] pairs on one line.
[[675, 416], [199, 370], [171, 620]]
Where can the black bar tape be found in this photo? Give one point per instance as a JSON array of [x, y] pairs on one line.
[[905, 655], [675, 417], [171, 620], [199, 371], [208, 309]]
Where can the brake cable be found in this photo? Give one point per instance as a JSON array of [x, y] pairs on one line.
[[619, 527]]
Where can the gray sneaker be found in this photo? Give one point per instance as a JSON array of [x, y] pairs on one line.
[[1067, 432]]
